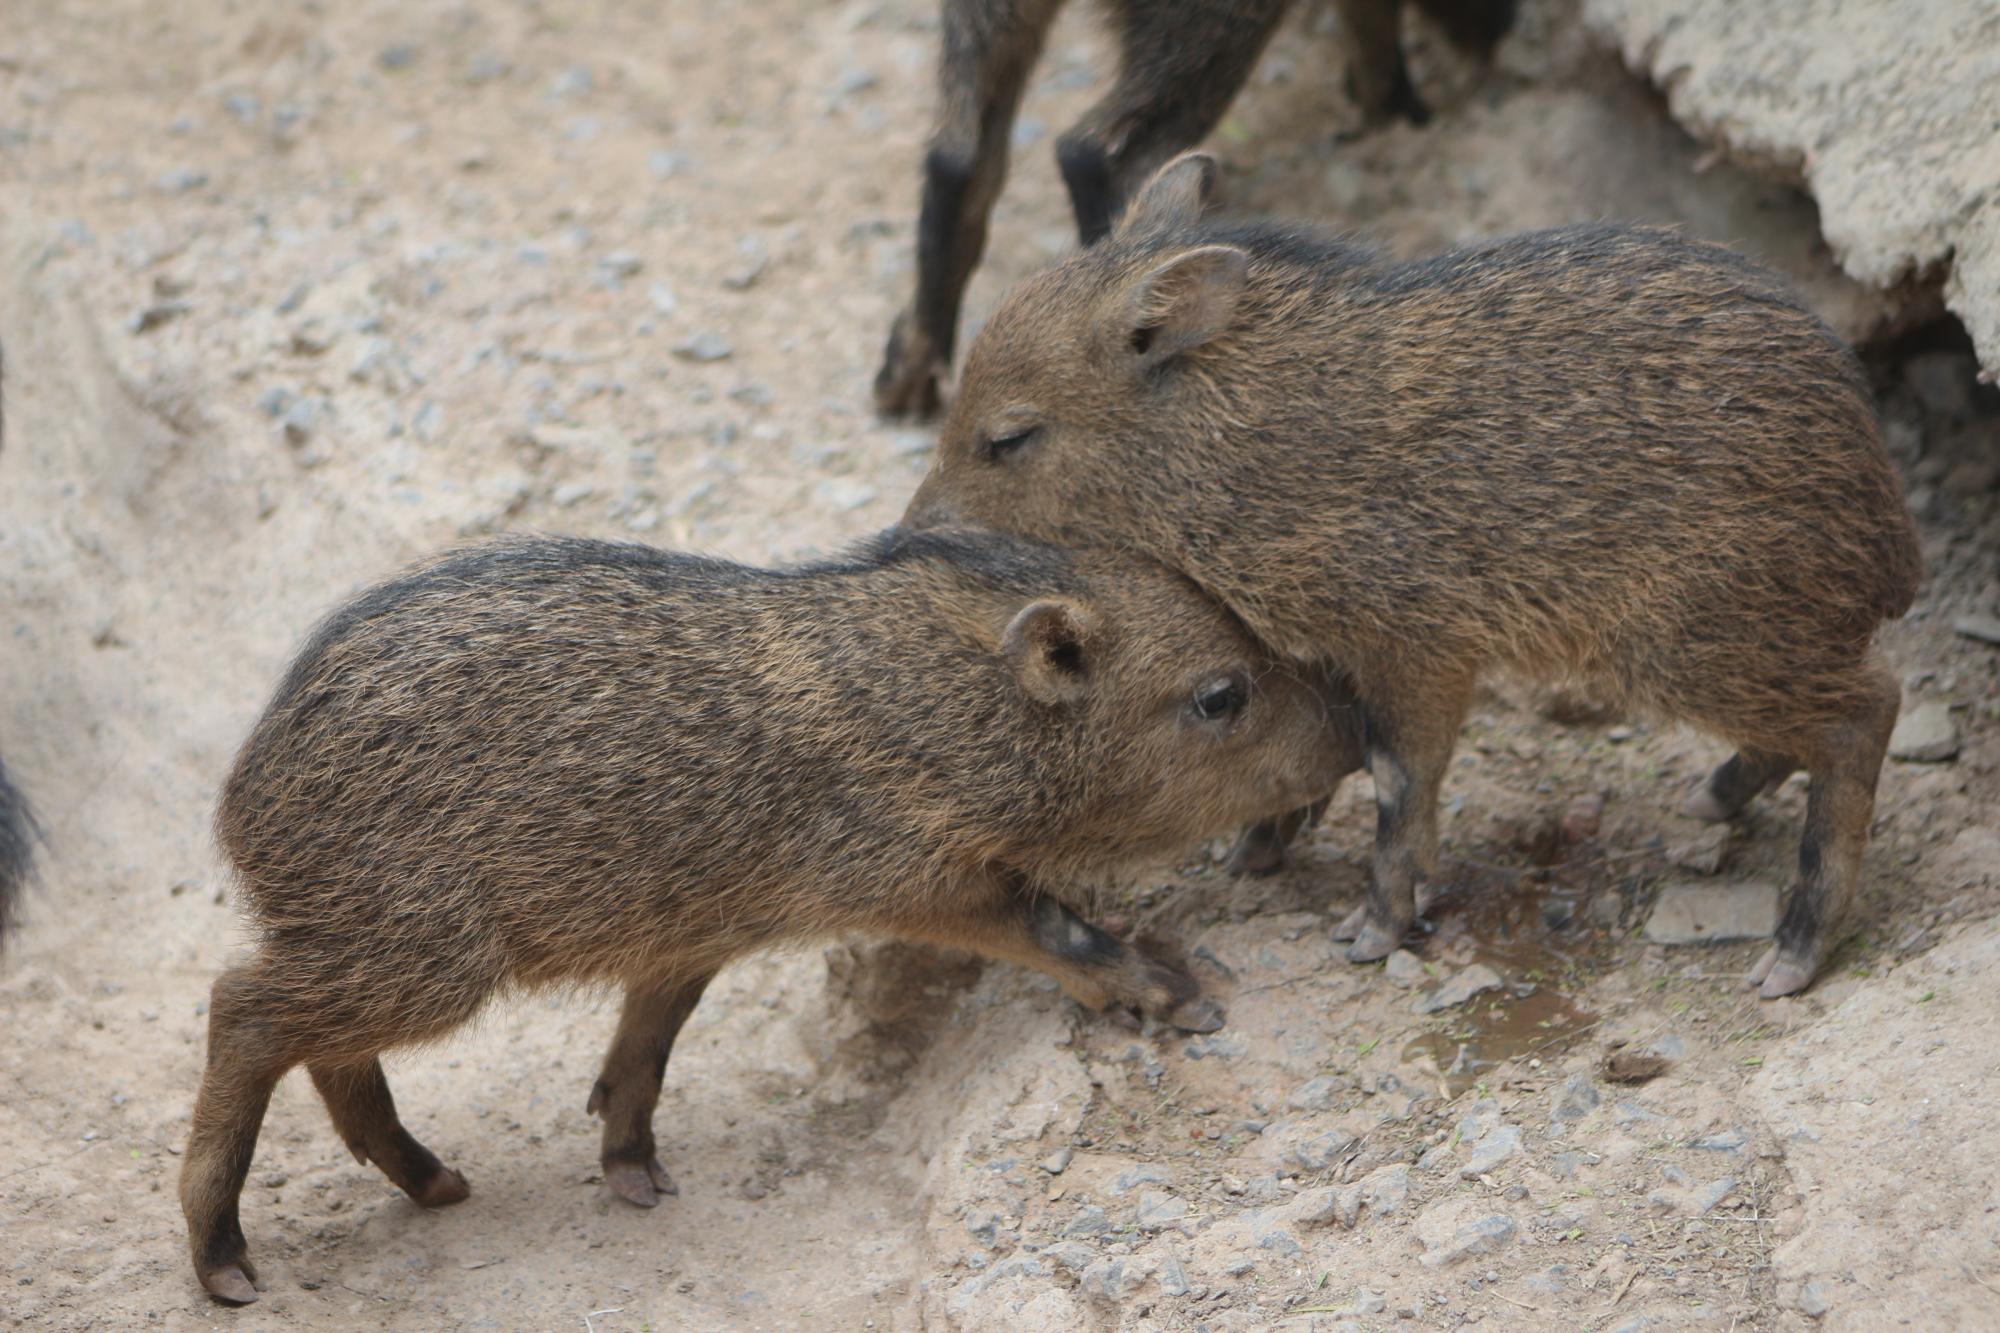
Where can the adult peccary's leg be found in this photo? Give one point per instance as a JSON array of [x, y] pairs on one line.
[[628, 1090], [1263, 847], [1180, 66], [1844, 763], [989, 48], [357, 1097], [244, 1064]]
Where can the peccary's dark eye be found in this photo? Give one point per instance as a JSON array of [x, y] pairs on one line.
[[999, 447], [1221, 698]]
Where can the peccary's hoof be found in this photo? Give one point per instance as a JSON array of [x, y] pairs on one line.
[[1777, 976], [1373, 944], [641, 1183], [1352, 924], [1258, 853], [1703, 806], [442, 1190], [230, 1284], [1200, 1014], [907, 383]]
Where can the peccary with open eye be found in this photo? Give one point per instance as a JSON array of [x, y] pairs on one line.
[[1609, 455], [559, 761], [1180, 65]]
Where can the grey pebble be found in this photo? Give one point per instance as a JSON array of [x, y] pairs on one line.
[[704, 346], [1925, 734], [1458, 988]]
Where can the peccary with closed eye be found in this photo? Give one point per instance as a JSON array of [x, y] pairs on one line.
[[1599, 454], [560, 761], [1180, 65]]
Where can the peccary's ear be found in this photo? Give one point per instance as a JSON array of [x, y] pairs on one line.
[[1185, 301], [1046, 644], [1174, 197]]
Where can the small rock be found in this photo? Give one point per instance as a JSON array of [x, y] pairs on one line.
[[1732, 1140], [180, 180], [1985, 629], [1320, 1151], [1575, 1099], [1319, 1094], [1482, 1235], [845, 493], [1115, 1279], [1158, 1210], [1583, 818], [663, 164], [401, 55], [704, 347], [1707, 913], [1491, 1151], [1631, 1113], [1703, 1200], [1143, 1174], [156, 314], [622, 263], [1089, 1221], [1405, 969], [1704, 852], [983, 1225], [1925, 734], [1458, 988], [1058, 1161], [1812, 1300]]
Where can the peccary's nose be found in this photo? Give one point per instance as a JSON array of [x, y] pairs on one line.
[[928, 511]]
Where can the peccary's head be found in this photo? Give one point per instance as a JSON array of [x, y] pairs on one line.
[[1177, 725], [1081, 395]]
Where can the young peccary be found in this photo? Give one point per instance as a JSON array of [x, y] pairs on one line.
[[1601, 454], [560, 761], [1181, 63]]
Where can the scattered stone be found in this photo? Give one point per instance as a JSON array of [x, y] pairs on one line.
[[1115, 1279], [1458, 988], [401, 55], [1383, 1190], [1631, 1113], [1704, 1200], [1058, 1161], [1089, 1221], [1173, 1277], [755, 260], [180, 180], [1070, 1256], [1689, 913], [1143, 1174], [621, 263], [1812, 1300], [156, 314], [1732, 1140], [1985, 629], [704, 347], [1405, 969], [983, 1225], [1320, 1094], [572, 82], [1159, 1210], [1320, 1151], [663, 163], [1704, 852], [1575, 1099], [1925, 734], [1496, 1147], [1583, 818], [1482, 1235]]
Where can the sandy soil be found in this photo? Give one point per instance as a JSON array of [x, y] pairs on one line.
[[293, 294]]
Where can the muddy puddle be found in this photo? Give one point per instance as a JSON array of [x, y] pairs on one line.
[[1535, 936]]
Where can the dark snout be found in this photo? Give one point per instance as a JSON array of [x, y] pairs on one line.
[[928, 509]]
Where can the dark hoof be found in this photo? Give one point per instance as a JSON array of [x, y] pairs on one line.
[[1200, 1014], [1777, 975], [230, 1284], [641, 1183], [907, 383], [442, 1190], [1256, 854], [1374, 944]]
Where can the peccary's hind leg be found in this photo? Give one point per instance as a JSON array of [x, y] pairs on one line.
[[244, 1064], [989, 49], [364, 1114], [1094, 967], [1410, 741], [1179, 68], [628, 1090], [1262, 848], [1736, 782], [1844, 764]]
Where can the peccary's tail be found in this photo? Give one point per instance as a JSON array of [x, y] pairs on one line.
[[17, 839]]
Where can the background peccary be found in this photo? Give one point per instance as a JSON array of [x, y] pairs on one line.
[[1608, 455], [560, 761], [1181, 63]]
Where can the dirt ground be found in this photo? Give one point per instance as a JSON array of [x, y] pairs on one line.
[[292, 294]]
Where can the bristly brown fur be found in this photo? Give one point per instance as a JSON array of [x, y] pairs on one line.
[[1180, 65], [554, 761], [1604, 454]]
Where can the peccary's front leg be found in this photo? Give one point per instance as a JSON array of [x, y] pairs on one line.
[[1095, 968], [1263, 847], [628, 1090]]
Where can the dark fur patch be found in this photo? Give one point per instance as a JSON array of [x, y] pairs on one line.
[[17, 846]]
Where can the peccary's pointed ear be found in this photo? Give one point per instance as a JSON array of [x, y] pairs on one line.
[[1176, 195], [1047, 645], [1185, 301]]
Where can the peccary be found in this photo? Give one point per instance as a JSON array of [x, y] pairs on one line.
[[557, 761], [1181, 63], [1607, 455]]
